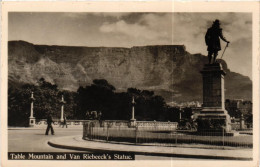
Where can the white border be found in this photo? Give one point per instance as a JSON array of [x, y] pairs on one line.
[[152, 6]]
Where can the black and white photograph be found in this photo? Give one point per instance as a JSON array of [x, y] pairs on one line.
[[130, 86]]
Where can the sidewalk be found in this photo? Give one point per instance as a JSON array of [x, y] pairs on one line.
[[43, 127], [77, 143]]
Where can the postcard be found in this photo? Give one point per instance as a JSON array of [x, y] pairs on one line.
[[130, 83]]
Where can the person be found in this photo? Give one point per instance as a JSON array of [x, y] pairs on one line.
[[49, 122], [212, 40], [99, 117], [93, 115], [64, 122], [87, 115]]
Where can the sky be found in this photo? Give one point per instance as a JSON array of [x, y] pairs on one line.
[[138, 29]]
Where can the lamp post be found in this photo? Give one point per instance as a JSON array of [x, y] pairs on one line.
[[242, 121], [181, 110], [133, 120], [31, 118], [62, 102], [133, 108]]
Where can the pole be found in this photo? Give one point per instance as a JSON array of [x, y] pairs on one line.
[[32, 105], [136, 131], [92, 131], [31, 118], [224, 50], [133, 108], [107, 133], [62, 108], [223, 138]]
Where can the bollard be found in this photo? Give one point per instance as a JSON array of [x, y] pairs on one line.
[[136, 131], [83, 132], [107, 133], [91, 131], [176, 138], [223, 138]]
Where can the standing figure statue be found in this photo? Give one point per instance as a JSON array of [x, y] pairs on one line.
[[212, 40]]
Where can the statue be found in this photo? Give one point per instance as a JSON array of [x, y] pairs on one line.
[[212, 40], [214, 117]]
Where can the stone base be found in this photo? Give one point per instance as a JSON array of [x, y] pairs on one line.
[[31, 121], [133, 123], [213, 110], [213, 120]]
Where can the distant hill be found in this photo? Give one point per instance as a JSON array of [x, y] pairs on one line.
[[168, 70]]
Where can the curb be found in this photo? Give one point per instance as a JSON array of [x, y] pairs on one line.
[[102, 150], [40, 128], [176, 146]]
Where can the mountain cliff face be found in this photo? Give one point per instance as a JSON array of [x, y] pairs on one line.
[[168, 70]]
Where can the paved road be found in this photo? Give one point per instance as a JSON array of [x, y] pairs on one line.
[[35, 140]]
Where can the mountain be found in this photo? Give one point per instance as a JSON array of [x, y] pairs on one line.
[[168, 70]]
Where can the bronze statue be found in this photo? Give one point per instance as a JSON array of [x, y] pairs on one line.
[[212, 40]]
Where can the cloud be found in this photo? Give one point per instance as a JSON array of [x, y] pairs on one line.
[[189, 29], [111, 14], [134, 30], [137, 29], [148, 27], [97, 14]]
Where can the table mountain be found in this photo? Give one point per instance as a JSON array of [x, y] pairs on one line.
[[168, 70]]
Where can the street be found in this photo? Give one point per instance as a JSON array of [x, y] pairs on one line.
[[35, 140]]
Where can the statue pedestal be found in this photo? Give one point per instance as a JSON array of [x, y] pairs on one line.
[[31, 121], [213, 117]]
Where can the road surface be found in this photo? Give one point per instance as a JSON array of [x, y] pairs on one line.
[[35, 140]]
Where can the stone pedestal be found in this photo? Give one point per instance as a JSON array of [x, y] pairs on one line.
[[133, 120], [213, 116], [132, 123], [62, 102], [31, 121], [32, 118]]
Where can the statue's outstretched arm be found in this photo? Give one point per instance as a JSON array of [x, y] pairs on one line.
[[222, 37]]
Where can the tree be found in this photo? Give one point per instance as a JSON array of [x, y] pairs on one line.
[[47, 98], [99, 96], [148, 106], [19, 105]]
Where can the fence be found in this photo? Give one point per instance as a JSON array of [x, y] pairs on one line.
[[157, 136], [42, 123]]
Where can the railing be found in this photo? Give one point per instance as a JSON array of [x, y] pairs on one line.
[[114, 123], [111, 123], [157, 125], [57, 122], [153, 136]]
